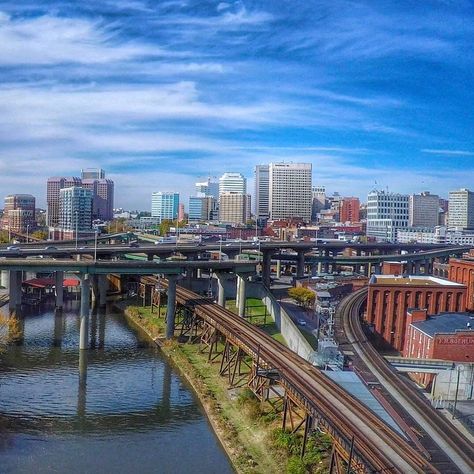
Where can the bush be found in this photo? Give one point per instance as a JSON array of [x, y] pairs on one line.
[[290, 441], [295, 466]]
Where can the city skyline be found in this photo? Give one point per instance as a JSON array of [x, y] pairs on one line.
[[371, 95]]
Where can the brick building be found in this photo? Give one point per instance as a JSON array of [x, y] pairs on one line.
[[349, 210], [446, 336], [461, 270], [390, 296]]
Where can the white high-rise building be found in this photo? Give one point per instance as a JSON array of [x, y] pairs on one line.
[[423, 210], [164, 205], [386, 212], [207, 188], [461, 209], [262, 191], [232, 183], [290, 190]]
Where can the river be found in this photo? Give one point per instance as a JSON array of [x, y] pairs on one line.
[[120, 408]]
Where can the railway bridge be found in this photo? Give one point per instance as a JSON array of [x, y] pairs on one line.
[[307, 399]]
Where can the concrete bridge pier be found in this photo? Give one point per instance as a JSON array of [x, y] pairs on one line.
[[417, 267], [85, 310], [314, 269], [266, 268], [102, 287], [300, 265], [171, 306], [221, 279], [15, 290], [5, 279], [241, 287], [237, 292], [278, 268], [59, 289]]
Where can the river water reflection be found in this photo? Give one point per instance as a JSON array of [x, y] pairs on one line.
[[120, 409]]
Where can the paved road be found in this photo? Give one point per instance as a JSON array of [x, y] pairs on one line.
[[299, 314]]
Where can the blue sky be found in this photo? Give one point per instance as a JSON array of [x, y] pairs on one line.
[[163, 93]]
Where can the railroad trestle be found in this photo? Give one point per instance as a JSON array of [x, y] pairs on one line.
[[307, 400], [244, 366]]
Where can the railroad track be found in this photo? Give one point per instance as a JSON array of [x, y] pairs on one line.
[[456, 446], [375, 442]]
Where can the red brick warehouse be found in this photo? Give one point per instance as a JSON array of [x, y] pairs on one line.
[[389, 298], [461, 270]]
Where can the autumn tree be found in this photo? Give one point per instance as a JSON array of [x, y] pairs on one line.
[[303, 296]]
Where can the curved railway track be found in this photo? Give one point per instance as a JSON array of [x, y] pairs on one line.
[[456, 446], [380, 447]]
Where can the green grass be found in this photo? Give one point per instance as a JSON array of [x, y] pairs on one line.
[[256, 313]]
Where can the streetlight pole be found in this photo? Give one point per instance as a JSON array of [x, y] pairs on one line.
[[27, 232], [220, 247]]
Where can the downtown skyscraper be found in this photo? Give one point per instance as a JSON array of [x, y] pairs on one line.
[[290, 191]]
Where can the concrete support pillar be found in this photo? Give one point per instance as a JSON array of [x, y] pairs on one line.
[[85, 310], [300, 265], [171, 306], [59, 289], [278, 269], [266, 268], [242, 280], [237, 293], [417, 267], [102, 287], [94, 289], [314, 269], [15, 289], [199, 273], [221, 278], [5, 279]]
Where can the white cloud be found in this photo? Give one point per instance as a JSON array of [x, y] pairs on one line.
[[53, 40], [448, 152]]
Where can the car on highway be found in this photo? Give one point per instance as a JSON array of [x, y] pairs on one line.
[[301, 322], [13, 247], [134, 245], [51, 247]]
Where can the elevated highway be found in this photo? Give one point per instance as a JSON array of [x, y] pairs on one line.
[[447, 438]]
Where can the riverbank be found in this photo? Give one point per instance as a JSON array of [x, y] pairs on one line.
[[249, 431]]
